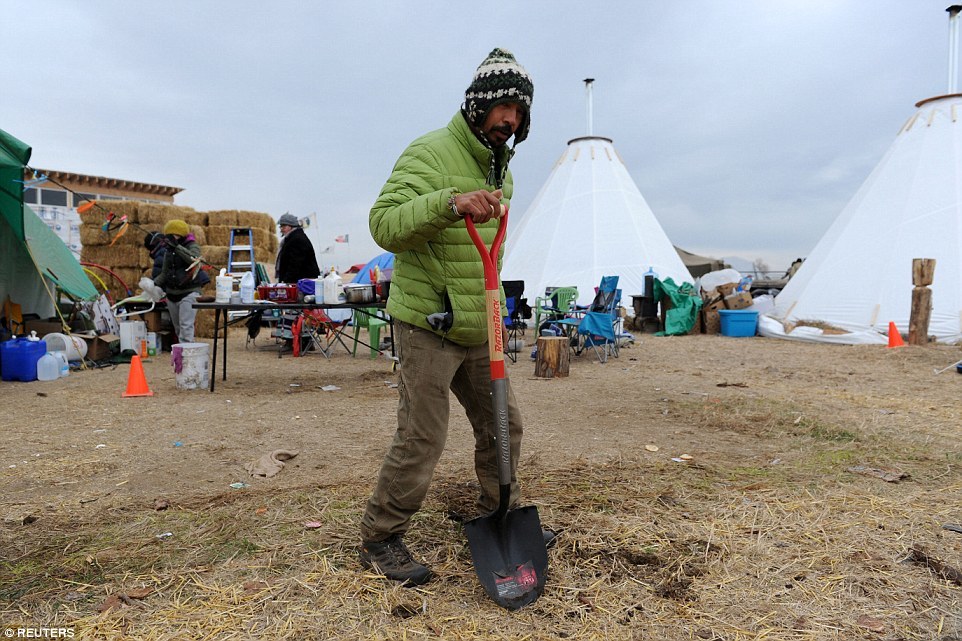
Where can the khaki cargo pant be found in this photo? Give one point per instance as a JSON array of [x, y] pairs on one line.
[[429, 367]]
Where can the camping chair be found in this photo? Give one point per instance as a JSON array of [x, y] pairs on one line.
[[13, 314], [598, 332], [368, 319], [318, 332], [606, 299], [518, 313], [555, 305]]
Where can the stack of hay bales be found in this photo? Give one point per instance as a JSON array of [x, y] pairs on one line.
[[130, 261]]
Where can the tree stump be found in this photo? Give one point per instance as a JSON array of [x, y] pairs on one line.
[[553, 358], [923, 273]]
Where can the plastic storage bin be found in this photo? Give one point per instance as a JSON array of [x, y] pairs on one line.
[[738, 322], [19, 361]]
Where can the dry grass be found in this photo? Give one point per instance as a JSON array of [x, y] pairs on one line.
[[795, 549]]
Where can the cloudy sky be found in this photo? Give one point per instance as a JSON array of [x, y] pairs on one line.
[[747, 125]]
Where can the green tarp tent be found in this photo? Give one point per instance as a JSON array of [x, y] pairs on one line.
[[33, 259]]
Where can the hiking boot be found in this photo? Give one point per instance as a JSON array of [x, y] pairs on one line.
[[391, 558]]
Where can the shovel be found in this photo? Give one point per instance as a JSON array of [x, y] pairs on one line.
[[507, 546]]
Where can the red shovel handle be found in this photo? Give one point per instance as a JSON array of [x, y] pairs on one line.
[[492, 291]]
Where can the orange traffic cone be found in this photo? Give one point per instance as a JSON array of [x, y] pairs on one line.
[[136, 381], [895, 339]]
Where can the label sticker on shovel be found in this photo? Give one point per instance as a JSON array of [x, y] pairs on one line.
[[522, 580]]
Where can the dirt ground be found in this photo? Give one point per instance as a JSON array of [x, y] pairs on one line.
[[74, 450], [77, 441]]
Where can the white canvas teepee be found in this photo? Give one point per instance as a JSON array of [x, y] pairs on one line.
[[859, 276], [589, 220]]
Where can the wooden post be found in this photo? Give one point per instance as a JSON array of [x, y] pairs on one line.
[[553, 358], [923, 273]]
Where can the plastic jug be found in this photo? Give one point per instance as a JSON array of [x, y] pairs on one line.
[[319, 290], [48, 367], [247, 288], [63, 362], [224, 287], [333, 288]]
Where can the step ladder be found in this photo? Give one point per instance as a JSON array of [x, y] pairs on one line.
[[240, 259], [240, 256]]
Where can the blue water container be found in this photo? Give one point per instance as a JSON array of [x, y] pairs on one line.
[[20, 357], [738, 322]]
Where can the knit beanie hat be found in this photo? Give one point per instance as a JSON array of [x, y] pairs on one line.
[[499, 79], [176, 227], [288, 219]]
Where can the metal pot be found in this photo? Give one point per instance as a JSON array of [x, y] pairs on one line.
[[358, 293]]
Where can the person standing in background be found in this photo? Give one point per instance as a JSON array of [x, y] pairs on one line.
[[157, 247], [295, 256], [181, 277]]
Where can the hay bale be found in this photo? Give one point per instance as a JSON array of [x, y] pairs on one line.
[[218, 235], [235, 218], [93, 236], [199, 234], [204, 324], [216, 254], [159, 214]]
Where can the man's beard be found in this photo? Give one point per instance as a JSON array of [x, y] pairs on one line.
[[503, 129]]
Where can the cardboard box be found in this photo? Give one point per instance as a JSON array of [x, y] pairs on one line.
[[726, 288], [699, 326], [98, 347], [151, 320], [714, 305], [42, 327], [740, 300], [711, 320]]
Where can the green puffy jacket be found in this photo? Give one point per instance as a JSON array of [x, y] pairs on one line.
[[436, 266]]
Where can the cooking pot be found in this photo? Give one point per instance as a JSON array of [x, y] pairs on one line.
[[358, 293]]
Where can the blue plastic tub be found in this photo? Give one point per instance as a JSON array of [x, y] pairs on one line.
[[738, 322], [19, 361]]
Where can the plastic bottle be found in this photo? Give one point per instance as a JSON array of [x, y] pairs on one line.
[[333, 288], [247, 288], [48, 368], [224, 287]]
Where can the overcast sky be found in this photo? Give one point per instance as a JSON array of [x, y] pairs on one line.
[[747, 125]]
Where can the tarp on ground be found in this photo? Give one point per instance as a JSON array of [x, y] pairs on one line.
[[685, 305], [381, 261]]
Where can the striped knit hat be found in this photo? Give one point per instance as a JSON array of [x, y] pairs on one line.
[[499, 79]]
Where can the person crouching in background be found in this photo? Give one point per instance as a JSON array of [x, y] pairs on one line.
[[181, 277]]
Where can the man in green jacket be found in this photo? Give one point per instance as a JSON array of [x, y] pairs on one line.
[[438, 304]]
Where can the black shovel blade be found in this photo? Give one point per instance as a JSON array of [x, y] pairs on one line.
[[509, 556]]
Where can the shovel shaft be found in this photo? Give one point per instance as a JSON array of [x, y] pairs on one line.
[[499, 394]]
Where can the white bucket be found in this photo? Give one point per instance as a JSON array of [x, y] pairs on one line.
[[74, 347], [191, 365]]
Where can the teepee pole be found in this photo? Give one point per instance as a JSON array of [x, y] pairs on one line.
[[954, 48], [588, 82]]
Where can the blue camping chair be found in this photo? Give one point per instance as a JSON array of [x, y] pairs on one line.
[[596, 327]]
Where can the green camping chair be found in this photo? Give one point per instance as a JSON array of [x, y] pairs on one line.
[[368, 319], [554, 306]]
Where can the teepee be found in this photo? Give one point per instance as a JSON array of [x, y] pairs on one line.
[[858, 278], [589, 220]]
